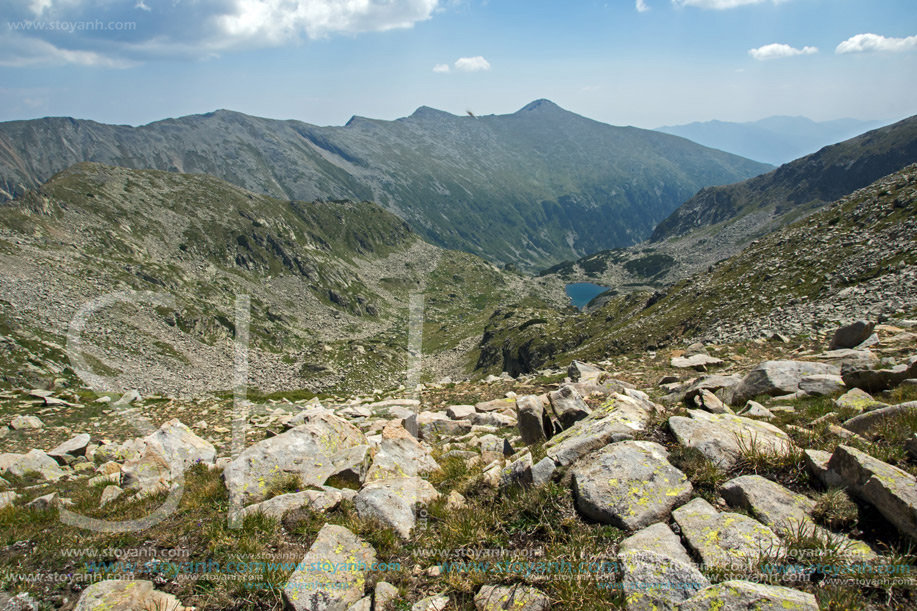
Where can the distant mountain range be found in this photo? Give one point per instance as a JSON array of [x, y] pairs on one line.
[[719, 222], [775, 140], [531, 188]]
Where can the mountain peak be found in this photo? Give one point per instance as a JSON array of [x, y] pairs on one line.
[[541, 105], [425, 112]]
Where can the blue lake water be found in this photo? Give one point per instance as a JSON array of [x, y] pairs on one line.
[[581, 293]]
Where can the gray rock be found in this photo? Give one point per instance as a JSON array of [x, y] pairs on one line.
[[127, 398], [460, 412], [568, 406], [517, 597], [364, 604], [392, 502], [20, 423], [776, 378], [543, 471], [385, 596], [8, 498], [698, 362], [822, 385], [617, 419], [840, 358], [816, 463], [870, 422], [753, 409], [109, 494], [858, 400], [889, 489], [656, 582], [316, 500], [657, 538], [518, 472], [180, 446], [852, 335], [126, 595], [749, 596], [149, 473], [872, 340], [629, 484], [47, 501], [710, 402], [496, 405], [534, 424], [35, 461], [351, 465], [438, 602], [724, 539], [713, 383], [878, 380], [721, 437], [67, 451], [332, 574], [401, 457], [583, 372]]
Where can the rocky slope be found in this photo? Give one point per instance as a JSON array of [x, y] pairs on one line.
[[534, 187], [719, 222], [857, 255], [568, 490], [329, 285]]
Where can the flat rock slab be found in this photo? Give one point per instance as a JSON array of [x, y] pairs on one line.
[[724, 539], [657, 538], [75, 446], [332, 574], [840, 358], [870, 422], [618, 418], [276, 507], [776, 378], [655, 582], [878, 380], [34, 461], [629, 484], [126, 595], [747, 596], [700, 362], [889, 489], [822, 385], [721, 437], [392, 502], [516, 597], [858, 400], [306, 451]]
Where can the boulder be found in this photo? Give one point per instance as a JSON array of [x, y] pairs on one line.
[[753, 409], [724, 540], [568, 406], [70, 449], [698, 362], [583, 372], [655, 582], [617, 419], [721, 437], [776, 378], [460, 412], [8, 498], [518, 472], [710, 402], [748, 596], [878, 380], [307, 451], [857, 400], [149, 473], [180, 446], [392, 502], [351, 465], [496, 405], [126, 595], [439, 602], [534, 424], [714, 384], [822, 385], [332, 575], [401, 457], [658, 538], [629, 484], [20, 423], [543, 471], [517, 597], [889, 489], [316, 500], [870, 422], [385, 596], [852, 335], [34, 461]]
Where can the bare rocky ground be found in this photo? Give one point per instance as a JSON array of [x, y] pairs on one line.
[[761, 474]]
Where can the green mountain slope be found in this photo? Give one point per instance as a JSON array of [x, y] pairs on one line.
[[329, 285], [533, 187], [855, 258]]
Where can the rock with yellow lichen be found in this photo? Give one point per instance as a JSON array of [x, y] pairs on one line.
[[516, 597], [629, 484], [126, 595], [392, 502], [723, 437], [747, 596], [332, 575]]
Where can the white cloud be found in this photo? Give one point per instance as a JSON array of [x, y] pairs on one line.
[[20, 51], [441, 68], [641, 6], [722, 4], [777, 50], [874, 42], [472, 64]]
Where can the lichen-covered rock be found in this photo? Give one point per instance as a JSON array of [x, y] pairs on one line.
[[657, 538], [889, 489], [150, 473], [33, 462], [747, 596], [858, 400], [722, 437], [276, 507], [180, 446], [724, 539], [568, 406], [306, 451], [332, 575], [822, 385], [870, 422], [126, 595], [656, 582], [776, 378], [619, 418], [518, 472], [19, 423], [439, 602], [392, 502], [629, 484], [516, 597], [401, 457]]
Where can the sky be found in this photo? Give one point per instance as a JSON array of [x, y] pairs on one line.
[[625, 62]]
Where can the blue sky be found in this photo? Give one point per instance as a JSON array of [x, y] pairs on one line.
[[321, 61]]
